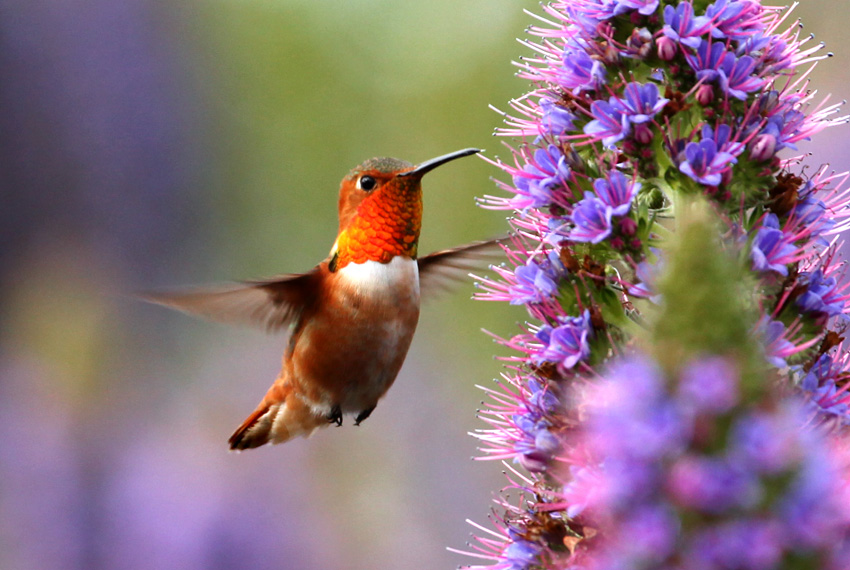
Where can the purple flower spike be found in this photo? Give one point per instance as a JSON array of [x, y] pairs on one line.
[[772, 249], [592, 219], [704, 163], [641, 102], [697, 461], [616, 191], [681, 25], [609, 124], [735, 78]]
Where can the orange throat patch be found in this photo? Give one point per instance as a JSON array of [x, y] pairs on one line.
[[386, 225]]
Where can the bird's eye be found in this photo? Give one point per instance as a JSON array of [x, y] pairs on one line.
[[366, 183]]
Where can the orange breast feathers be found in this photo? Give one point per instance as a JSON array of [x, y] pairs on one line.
[[386, 225]]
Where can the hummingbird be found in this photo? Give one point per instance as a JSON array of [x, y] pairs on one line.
[[351, 317]]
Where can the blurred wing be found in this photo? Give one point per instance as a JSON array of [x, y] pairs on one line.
[[441, 270], [270, 304]]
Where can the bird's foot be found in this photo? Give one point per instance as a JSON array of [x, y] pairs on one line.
[[335, 417], [363, 415]]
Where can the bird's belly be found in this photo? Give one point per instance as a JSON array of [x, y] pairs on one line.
[[350, 352]]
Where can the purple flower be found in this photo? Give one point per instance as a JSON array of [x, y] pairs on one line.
[[722, 137], [818, 522], [653, 531], [644, 7], [785, 126], [710, 385], [555, 120], [812, 213], [541, 398], [667, 48], [712, 485], [751, 543], [535, 444], [744, 495], [821, 294], [827, 400], [536, 449], [639, 44], [646, 275], [633, 419], [616, 191], [609, 124], [588, 14], [767, 442], [579, 71], [776, 347], [681, 25], [735, 76], [763, 147], [735, 19], [772, 249], [521, 554], [533, 284], [541, 178], [640, 102], [592, 220], [704, 163], [706, 62], [567, 344]]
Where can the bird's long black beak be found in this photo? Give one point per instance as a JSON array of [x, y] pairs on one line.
[[429, 165]]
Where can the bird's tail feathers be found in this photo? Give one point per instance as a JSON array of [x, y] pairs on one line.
[[281, 416]]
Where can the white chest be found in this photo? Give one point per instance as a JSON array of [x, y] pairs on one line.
[[393, 282]]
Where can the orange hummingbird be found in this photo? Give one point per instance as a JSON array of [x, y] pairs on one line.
[[352, 317]]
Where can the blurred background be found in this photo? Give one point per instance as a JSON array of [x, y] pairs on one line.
[[146, 144]]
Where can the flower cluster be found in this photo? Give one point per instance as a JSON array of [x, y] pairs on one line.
[[638, 107], [689, 480]]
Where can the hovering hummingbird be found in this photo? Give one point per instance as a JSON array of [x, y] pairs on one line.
[[352, 317]]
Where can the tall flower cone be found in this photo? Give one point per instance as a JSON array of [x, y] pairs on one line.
[[679, 397]]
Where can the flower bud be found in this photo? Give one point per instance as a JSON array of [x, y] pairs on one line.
[[763, 147], [666, 48], [705, 94]]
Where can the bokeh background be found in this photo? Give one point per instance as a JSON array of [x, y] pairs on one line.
[[147, 144]]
